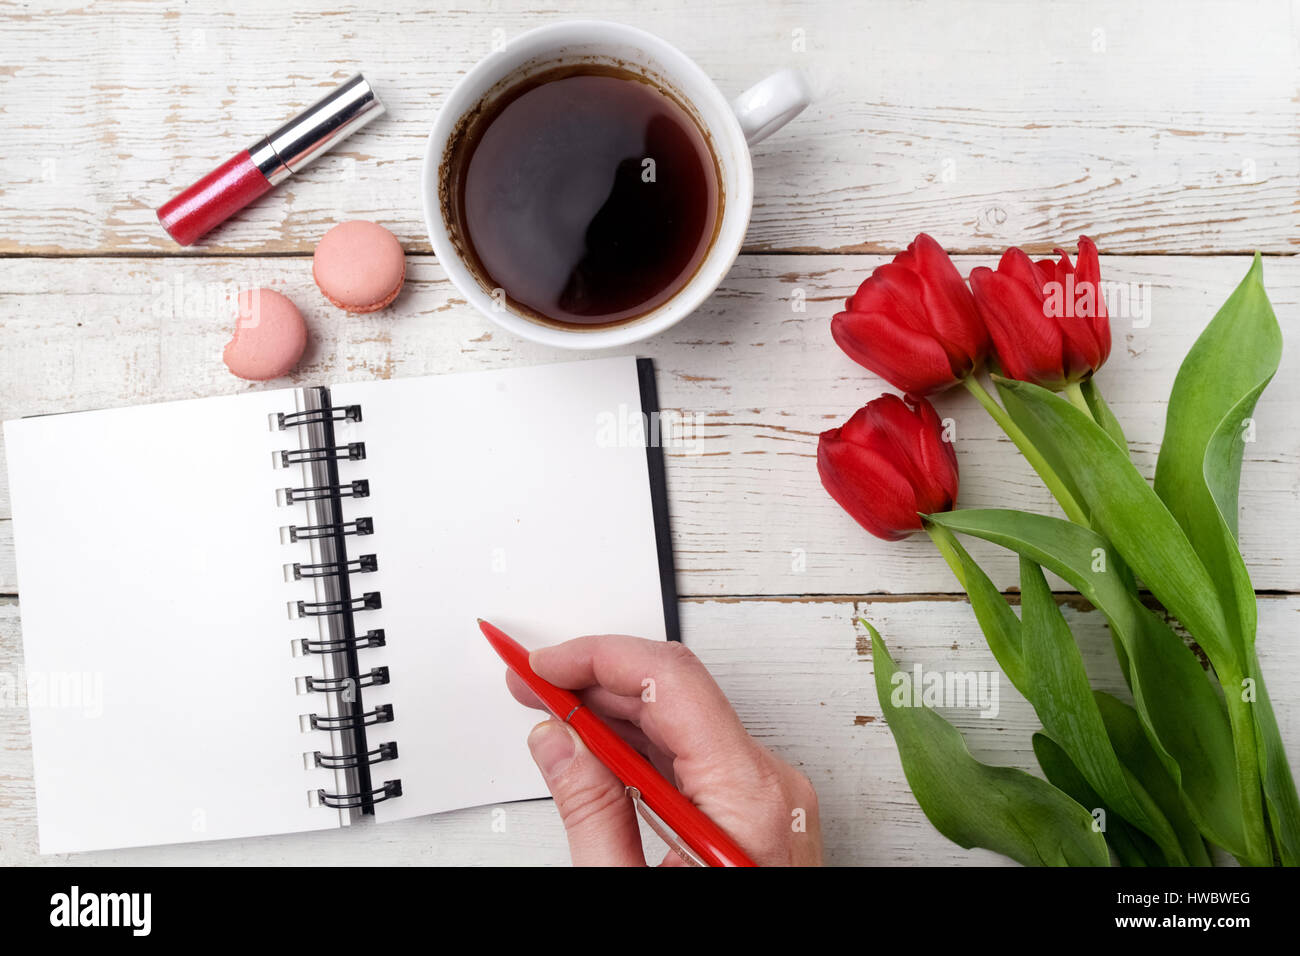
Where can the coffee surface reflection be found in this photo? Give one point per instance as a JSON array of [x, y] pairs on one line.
[[588, 194]]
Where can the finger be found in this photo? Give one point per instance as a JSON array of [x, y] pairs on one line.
[[602, 701], [680, 706], [609, 704], [598, 817], [614, 661], [522, 692], [610, 707], [638, 741]]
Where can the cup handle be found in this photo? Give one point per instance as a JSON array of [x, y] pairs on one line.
[[771, 103]]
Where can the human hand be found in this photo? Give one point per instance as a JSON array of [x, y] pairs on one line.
[[660, 698]]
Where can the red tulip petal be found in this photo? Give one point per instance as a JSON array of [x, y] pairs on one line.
[[1090, 271], [1080, 347], [880, 415], [1101, 327], [1027, 342], [1016, 265], [1080, 350], [908, 360], [893, 430], [894, 291], [868, 487], [898, 434], [1063, 267], [938, 459], [1089, 263], [922, 291], [948, 304], [1045, 271]]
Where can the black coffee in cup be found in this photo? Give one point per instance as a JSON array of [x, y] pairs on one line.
[[587, 195]]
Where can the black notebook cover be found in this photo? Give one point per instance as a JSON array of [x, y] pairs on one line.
[[654, 454]]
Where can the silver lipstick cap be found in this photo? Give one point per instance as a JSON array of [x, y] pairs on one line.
[[317, 129]]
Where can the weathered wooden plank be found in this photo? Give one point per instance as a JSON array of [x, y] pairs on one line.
[[755, 378], [800, 675], [1094, 120]]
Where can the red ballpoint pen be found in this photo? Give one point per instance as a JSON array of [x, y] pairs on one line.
[[699, 839]]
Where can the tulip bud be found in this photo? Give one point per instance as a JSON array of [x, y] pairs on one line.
[[913, 322], [1047, 319], [889, 464]]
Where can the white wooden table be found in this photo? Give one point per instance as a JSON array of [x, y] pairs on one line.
[[1168, 131]]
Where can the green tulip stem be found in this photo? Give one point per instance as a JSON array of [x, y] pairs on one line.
[[1074, 392], [943, 540], [1027, 448]]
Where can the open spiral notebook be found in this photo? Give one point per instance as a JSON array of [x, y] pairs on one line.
[[268, 601]]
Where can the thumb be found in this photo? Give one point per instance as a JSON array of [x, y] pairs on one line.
[[598, 817]]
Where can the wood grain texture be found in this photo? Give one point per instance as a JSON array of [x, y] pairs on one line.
[[1167, 126], [755, 380], [800, 675]]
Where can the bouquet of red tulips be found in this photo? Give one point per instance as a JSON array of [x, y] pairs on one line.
[[1196, 760]]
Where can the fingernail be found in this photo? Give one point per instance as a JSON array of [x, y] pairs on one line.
[[551, 743]]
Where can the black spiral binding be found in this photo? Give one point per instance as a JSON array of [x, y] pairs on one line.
[[350, 413], [367, 562], [355, 489], [377, 675], [369, 601], [334, 571], [360, 526], [385, 751], [373, 638], [364, 799], [380, 715], [352, 451]]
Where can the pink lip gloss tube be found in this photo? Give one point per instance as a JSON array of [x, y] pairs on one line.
[[234, 184]]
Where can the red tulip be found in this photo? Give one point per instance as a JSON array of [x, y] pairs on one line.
[[913, 322], [889, 464], [1047, 318]]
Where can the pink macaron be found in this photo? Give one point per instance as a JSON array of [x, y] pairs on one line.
[[269, 338], [359, 266]]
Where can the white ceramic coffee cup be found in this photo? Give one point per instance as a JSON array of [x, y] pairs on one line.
[[731, 128]]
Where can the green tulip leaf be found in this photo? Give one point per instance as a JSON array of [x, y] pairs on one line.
[[1041, 439], [1131, 845], [1123, 508], [1197, 477], [1124, 729], [1063, 700], [1183, 716], [1218, 384], [996, 619], [971, 803], [1102, 414], [1128, 512], [1279, 786]]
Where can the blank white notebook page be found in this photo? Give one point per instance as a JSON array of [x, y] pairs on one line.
[[155, 625], [516, 496]]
